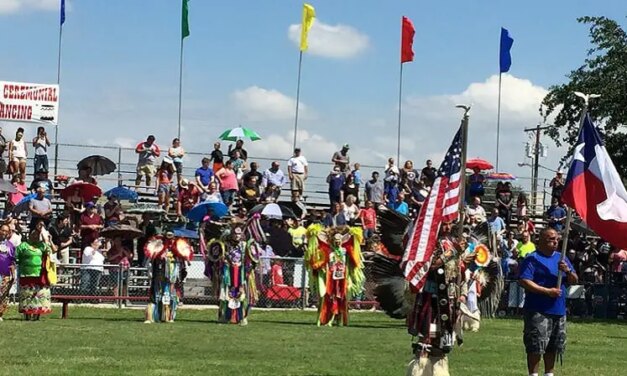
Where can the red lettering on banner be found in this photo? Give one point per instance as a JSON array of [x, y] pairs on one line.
[[31, 93], [16, 112]]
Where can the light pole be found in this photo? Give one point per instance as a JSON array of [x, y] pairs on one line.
[[536, 164]]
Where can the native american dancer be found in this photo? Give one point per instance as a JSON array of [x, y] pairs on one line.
[[435, 314], [334, 261], [230, 264], [167, 260]]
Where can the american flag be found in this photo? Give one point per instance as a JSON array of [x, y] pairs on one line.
[[442, 204]]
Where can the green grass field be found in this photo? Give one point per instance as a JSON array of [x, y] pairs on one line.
[[116, 342]]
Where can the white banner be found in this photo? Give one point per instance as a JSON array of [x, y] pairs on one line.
[[30, 103]]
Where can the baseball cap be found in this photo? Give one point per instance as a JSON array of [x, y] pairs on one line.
[[89, 205], [345, 146], [184, 183]]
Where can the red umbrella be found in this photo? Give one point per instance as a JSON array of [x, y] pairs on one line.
[[501, 176], [479, 163], [87, 191]]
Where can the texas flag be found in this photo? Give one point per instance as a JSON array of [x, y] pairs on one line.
[[595, 190]]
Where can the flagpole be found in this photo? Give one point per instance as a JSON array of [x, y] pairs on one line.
[[400, 105], [56, 127], [569, 210], [300, 62], [178, 134], [498, 125], [462, 171]]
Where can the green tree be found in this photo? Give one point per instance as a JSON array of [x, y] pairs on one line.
[[604, 72]]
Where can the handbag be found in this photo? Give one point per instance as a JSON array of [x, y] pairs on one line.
[[50, 269]]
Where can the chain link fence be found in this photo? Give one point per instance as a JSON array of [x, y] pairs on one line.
[[282, 282], [91, 283]]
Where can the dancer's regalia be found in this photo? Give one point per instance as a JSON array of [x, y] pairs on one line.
[[335, 266], [434, 314], [167, 258], [230, 263]]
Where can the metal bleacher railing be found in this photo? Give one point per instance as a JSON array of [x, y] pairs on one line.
[[316, 187]]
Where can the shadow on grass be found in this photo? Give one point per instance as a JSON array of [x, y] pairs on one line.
[[350, 325], [136, 319], [577, 320]]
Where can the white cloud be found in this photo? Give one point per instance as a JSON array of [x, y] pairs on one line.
[[334, 41], [517, 95], [436, 119], [14, 6], [315, 147], [259, 104]]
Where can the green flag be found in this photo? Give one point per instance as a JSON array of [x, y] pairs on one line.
[[184, 22]]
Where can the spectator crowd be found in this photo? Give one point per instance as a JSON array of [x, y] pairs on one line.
[[241, 184]]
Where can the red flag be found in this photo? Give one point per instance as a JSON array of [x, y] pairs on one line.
[[407, 40], [441, 205]]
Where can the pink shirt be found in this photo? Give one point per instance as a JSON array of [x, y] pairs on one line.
[[228, 180], [18, 196]]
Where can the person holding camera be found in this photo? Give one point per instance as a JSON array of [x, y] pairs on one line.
[[62, 237], [40, 144]]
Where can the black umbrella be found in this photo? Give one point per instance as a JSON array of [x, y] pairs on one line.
[[297, 207], [122, 231], [99, 165], [580, 226]]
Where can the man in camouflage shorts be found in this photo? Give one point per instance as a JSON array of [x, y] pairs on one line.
[[544, 333]]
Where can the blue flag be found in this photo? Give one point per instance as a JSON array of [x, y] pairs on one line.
[[62, 12], [505, 58]]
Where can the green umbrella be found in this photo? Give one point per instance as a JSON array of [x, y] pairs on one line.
[[239, 133]]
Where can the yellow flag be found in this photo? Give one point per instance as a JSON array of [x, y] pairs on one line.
[[309, 13]]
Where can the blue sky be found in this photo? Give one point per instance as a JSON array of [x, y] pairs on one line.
[[119, 77]]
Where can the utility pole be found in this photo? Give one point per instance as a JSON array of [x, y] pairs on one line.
[[536, 163]]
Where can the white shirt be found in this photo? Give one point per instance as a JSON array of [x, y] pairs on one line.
[[389, 169], [41, 148], [19, 148], [93, 259], [297, 164], [350, 212], [478, 212], [16, 239]]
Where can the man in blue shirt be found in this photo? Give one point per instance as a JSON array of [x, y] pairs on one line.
[[336, 181], [400, 206], [497, 224], [545, 303], [273, 180], [204, 176], [556, 215]]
